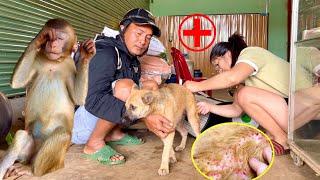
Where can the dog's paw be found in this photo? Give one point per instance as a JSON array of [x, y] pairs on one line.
[[179, 148], [163, 172], [173, 159]]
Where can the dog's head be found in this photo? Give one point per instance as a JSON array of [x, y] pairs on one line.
[[138, 104]]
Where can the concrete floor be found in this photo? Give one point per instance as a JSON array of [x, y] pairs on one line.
[[143, 162]]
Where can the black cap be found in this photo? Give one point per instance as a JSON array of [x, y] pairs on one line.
[[141, 16]]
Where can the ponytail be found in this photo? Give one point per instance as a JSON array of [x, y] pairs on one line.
[[235, 45]]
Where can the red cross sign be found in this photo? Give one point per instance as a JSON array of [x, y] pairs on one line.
[[196, 33]]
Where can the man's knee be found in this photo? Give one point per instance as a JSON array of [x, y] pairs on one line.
[[122, 89]]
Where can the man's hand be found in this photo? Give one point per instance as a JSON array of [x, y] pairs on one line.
[[87, 50], [159, 125], [191, 85]]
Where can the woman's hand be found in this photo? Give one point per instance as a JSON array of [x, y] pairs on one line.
[[204, 107], [191, 85]]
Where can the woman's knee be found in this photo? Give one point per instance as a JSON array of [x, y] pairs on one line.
[[123, 88], [244, 95]]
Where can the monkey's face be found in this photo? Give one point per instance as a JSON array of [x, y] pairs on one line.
[[137, 38], [59, 47]]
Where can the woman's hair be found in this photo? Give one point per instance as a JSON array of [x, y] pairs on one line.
[[235, 45]]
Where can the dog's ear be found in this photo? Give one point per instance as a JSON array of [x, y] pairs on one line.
[[147, 98], [134, 87]]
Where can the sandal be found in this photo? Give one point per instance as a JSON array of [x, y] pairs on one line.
[[103, 156], [127, 140], [279, 150]]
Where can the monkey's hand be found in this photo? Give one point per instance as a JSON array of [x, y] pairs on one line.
[[87, 50], [46, 34]]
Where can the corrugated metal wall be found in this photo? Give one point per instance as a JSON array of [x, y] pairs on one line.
[[20, 21]]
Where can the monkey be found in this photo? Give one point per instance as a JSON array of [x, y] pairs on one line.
[[54, 85]]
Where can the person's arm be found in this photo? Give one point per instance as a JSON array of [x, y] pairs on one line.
[[100, 100], [236, 75], [229, 110]]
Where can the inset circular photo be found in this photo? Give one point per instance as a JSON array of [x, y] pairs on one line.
[[232, 151]]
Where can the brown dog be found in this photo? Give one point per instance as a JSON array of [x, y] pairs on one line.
[[170, 101]]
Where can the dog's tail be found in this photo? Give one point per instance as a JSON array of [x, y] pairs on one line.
[[192, 114]]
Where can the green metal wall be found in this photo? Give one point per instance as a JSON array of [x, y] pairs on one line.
[[21, 20]]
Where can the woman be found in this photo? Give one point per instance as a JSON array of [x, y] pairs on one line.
[[264, 94]]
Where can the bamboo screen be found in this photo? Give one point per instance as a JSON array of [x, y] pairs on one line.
[[252, 26]]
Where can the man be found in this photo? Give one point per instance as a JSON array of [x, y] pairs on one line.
[[113, 71]]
